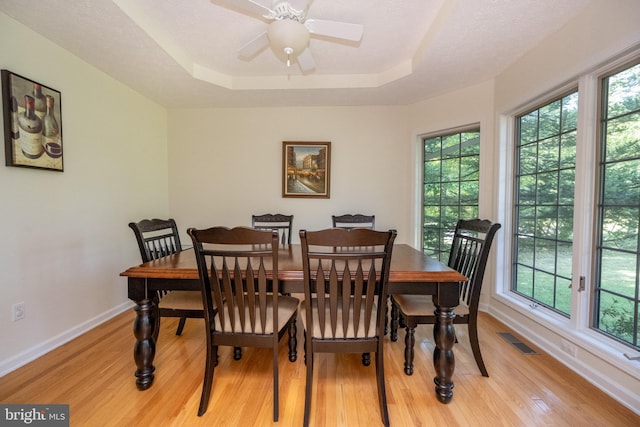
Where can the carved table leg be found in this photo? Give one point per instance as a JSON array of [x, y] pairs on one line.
[[144, 349], [156, 323], [386, 315], [237, 353], [409, 344], [395, 320], [443, 358], [366, 359], [304, 345], [293, 341]]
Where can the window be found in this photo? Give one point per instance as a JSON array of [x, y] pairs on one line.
[[616, 290], [450, 187], [544, 203]]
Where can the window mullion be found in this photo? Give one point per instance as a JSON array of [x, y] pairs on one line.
[[584, 200]]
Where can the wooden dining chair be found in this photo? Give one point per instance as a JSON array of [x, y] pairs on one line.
[[238, 270], [346, 274], [284, 225], [351, 221], [469, 252], [280, 222], [158, 238], [354, 221]]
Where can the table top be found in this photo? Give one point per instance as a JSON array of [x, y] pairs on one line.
[[407, 265]]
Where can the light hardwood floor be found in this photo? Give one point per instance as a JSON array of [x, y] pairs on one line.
[[94, 374]]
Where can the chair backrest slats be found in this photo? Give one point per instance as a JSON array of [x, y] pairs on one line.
[[219, 282], [156, 238], [469, 252], [280, 222], [354, 221], [348, 296], [346, 274], [322, 296], [234, 265]]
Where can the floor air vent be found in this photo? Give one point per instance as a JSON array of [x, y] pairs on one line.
[[511, 339]]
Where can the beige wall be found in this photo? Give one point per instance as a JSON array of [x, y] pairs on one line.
[[375, 160], [603, 30], [471, 106], [225, 165], [64, 235]]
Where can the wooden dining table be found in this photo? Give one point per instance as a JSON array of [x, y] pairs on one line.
[[412, 272]]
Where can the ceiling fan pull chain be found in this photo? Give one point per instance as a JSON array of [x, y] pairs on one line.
[[288, 51]]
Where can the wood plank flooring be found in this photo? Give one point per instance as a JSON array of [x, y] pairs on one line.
[[94, 374]]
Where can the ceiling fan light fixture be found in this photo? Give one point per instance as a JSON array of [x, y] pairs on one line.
[[288, 36]]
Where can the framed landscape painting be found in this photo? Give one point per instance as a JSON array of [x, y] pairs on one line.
[[32, 123], [306, 169]]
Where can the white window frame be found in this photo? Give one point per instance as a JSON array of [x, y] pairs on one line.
[[441, 133], [575, 332]]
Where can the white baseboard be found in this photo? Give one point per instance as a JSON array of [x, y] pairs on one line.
[[34, 352]]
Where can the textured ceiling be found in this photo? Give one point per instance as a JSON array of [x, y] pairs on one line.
[[184, 53]]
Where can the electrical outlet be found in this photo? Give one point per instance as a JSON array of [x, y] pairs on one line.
[[569, 348], [18, 312]]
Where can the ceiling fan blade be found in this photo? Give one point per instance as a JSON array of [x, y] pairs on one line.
[[252, 7], [256, 45], [306, 61], [339, 30]]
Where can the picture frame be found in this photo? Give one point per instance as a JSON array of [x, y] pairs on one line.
[[32, 114], [306, 169]]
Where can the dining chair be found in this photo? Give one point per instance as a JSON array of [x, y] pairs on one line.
[[469, 252], [238, 270], [346, 274], [158, 238], [350, 221], [354, 220], [280, 222]]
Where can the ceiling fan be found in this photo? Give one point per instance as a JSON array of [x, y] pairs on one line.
[[289, 31]]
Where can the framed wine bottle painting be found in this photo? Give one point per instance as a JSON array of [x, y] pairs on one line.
[[32, 123]]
